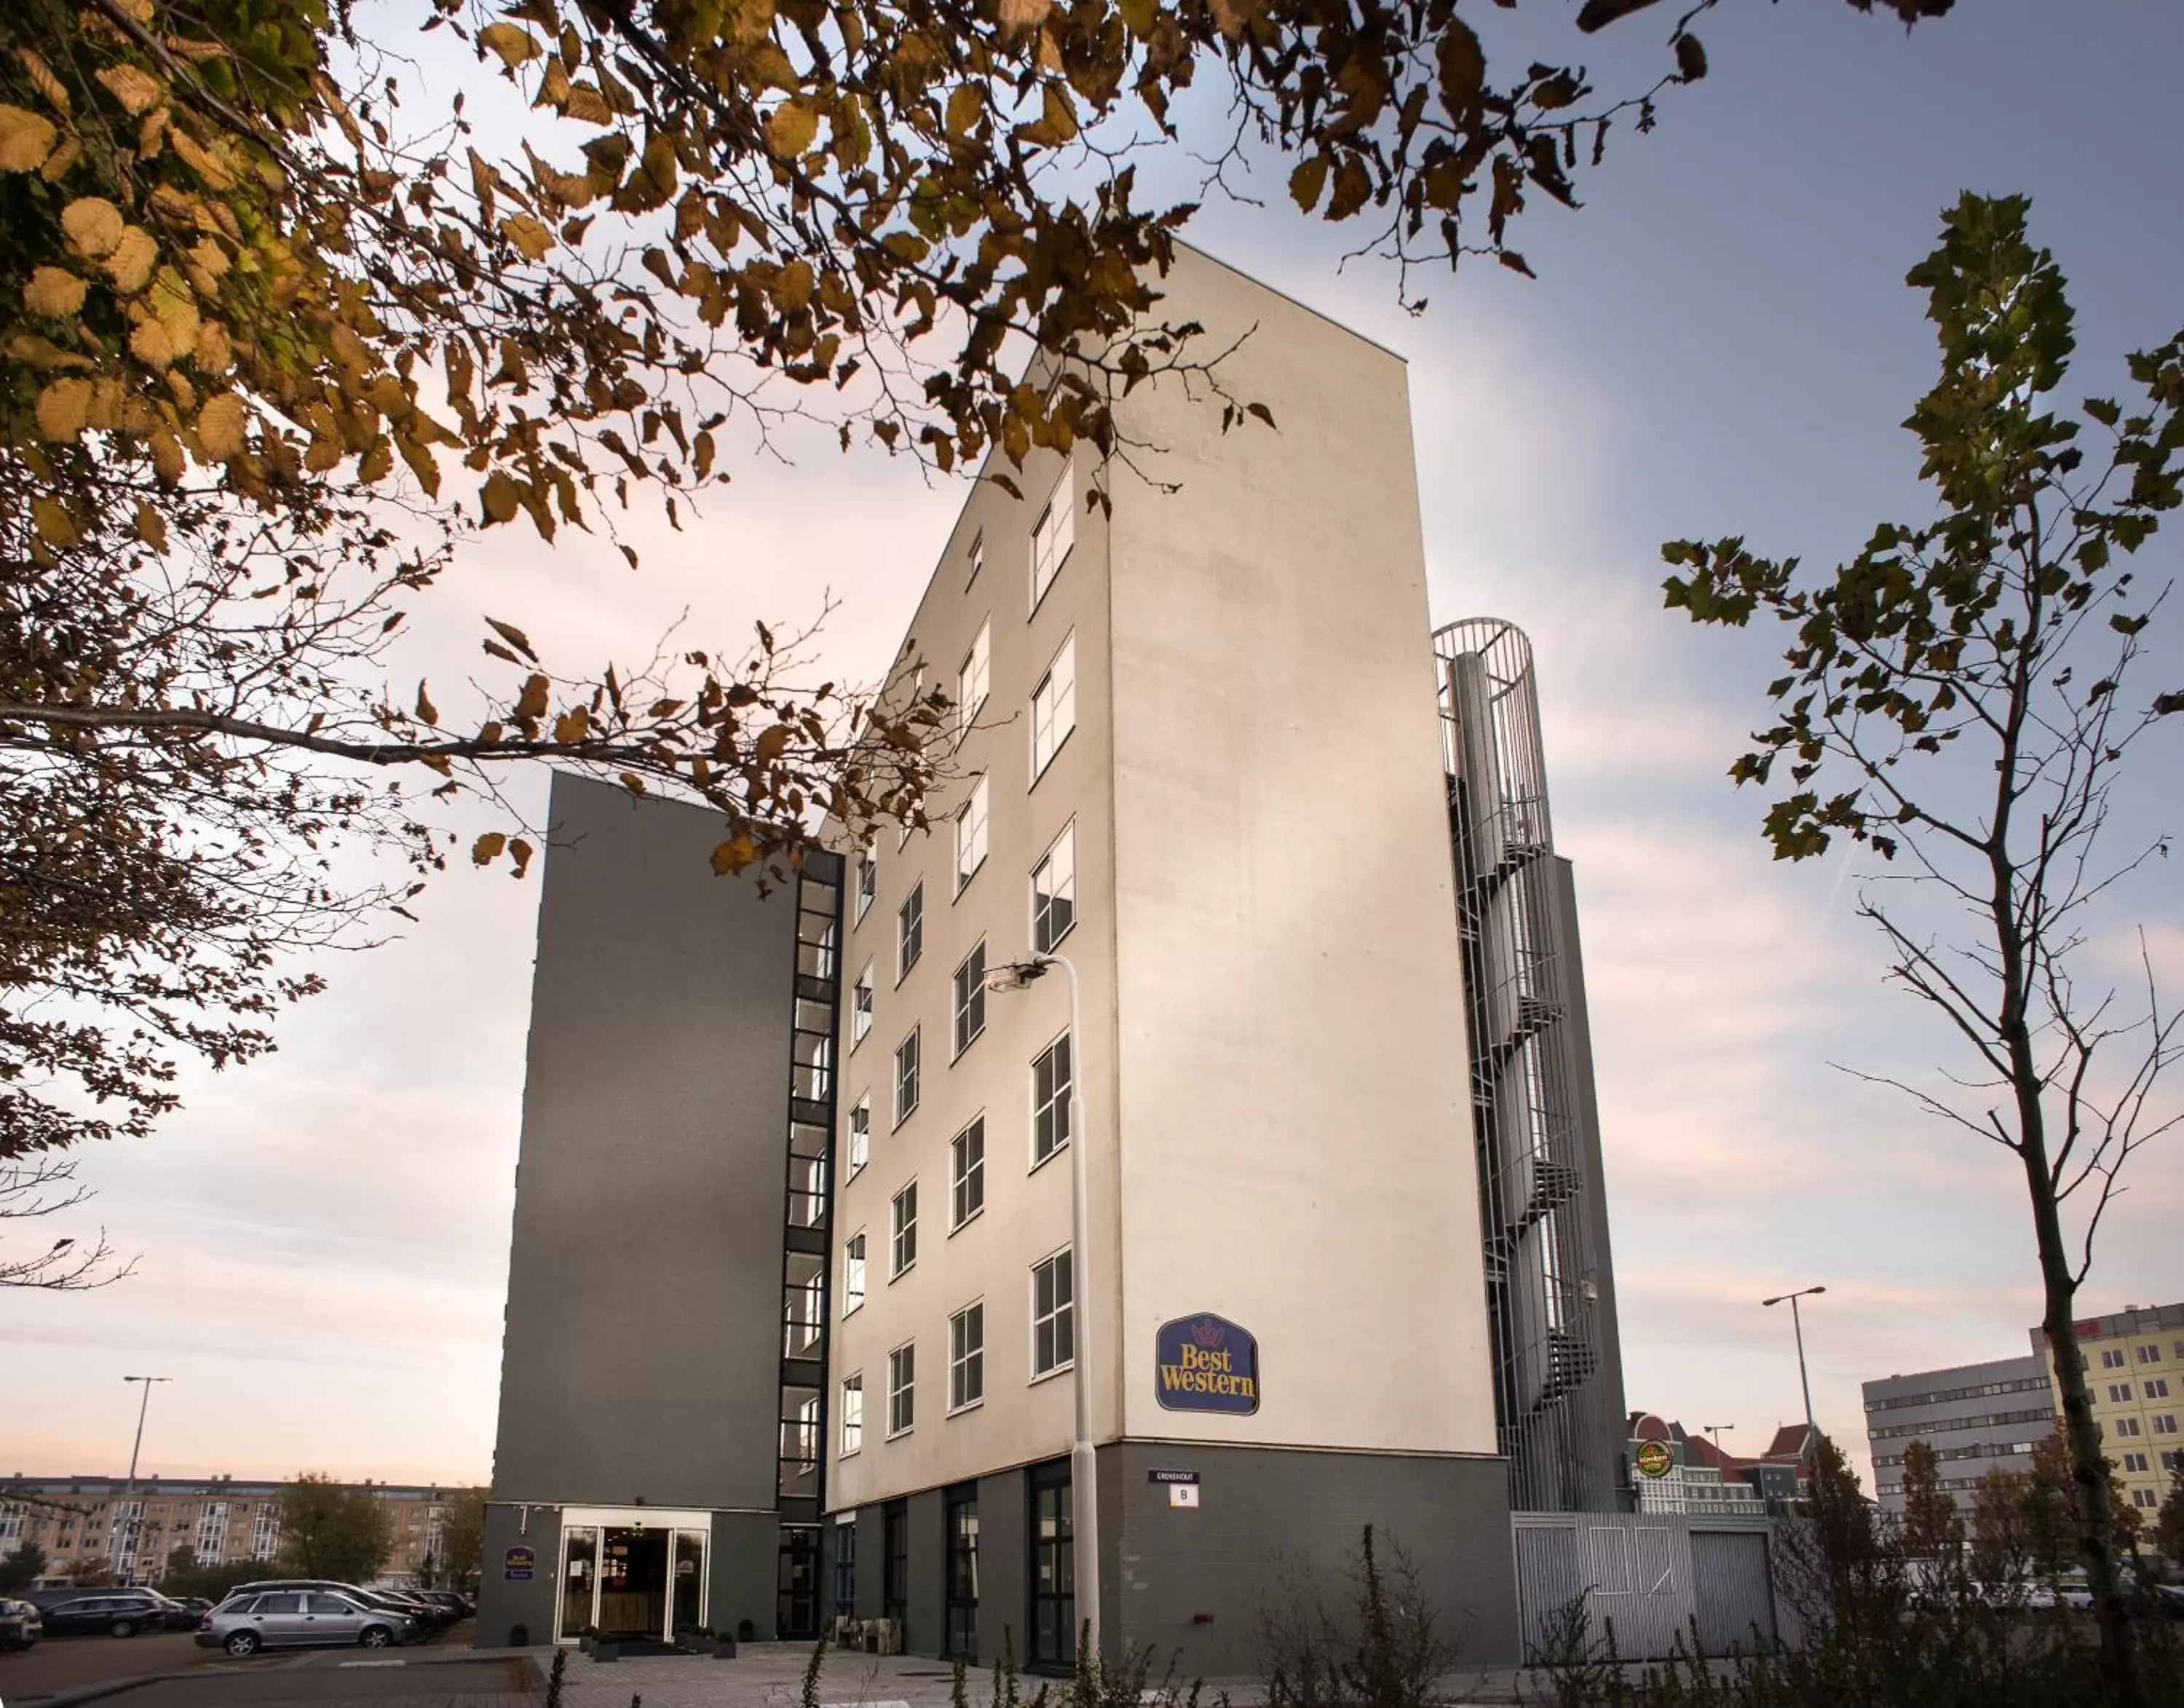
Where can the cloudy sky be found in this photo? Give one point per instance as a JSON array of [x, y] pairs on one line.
[[1719, 343]]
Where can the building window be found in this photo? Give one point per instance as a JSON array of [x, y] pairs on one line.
[[2166, 1424], [861, 1134], [2155, 1387], [903, 1252], [2128, 1426], [1054, 707], [2149, 1353], [2144, 1497], [860, 1007], [967, 1357], [2134, 1462], [976, 677], [977, 557], [2111, 1358], [1053, 1568], [2118, 1394], [853, 1272], [868, 884], [971, 836], [902, 1389], [1054, 892], [1053, 1315], [853, 1413], [962, 1573], [909, 931], [905, 1077], [1052, 535], [966, 1173], [846, 1553], [1050, 1077], [806, 1455], [971, 997]]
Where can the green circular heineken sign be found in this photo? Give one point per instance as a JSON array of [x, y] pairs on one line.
[[1653, 1459]]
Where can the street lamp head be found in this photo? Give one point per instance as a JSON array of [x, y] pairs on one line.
[[1014, 975], [1800, 1293]]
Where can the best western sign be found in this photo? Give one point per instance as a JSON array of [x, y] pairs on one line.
[[1206, 1363]]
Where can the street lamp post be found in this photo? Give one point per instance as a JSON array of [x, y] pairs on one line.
[[1797, 1323], [121, 1549], [1715, 1430], [1084, 1466]]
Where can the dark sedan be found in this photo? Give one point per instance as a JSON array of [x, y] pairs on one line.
[[122, 1613]]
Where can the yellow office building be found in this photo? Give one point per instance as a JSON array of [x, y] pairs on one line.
[[2135, 1368]]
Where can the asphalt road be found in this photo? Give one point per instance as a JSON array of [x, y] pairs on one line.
[[62, 1663]]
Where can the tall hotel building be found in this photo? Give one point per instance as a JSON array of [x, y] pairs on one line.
[[1211, 760]]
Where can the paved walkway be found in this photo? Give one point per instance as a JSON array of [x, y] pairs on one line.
[[770, 1675]]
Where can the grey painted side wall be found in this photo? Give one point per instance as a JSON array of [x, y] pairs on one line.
[[1268, 1518], [641, 1350], [1607, 1411], [746, 1573], [504, 1603]]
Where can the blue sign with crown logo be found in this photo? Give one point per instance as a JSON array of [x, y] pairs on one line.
[[1206, 1363]]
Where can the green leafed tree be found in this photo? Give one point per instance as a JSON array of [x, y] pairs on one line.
[[1960, 699], [21, 1567], [462, 1537], [1931, 1528], [2169, 1523], [333, 1529]]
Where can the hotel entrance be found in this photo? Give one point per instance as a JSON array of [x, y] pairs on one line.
[[633, 1574]]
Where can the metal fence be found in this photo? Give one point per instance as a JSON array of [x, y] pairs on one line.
[[1651, 1576]]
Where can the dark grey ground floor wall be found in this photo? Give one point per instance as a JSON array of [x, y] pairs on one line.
[[1193, 1582], [1190, 1583], [743, 1573], [505, 1602]]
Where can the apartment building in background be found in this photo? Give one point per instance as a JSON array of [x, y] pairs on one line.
[[797, 1311], [86, 1524], [1978, 1418], [2135, 1369]]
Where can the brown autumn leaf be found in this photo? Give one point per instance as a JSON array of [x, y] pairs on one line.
[[63, 407], [26, 139], [54, 292], [94, 225], [220, 426]]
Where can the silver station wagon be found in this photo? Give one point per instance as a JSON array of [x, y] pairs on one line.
[[298, 1619]]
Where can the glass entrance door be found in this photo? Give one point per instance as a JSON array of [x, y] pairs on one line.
[[633, 1583], [643, 1579]]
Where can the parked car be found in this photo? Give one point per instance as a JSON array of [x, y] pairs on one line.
[[434, 1611], [299, 1619], [459, 1605], [118, 1613], [414, 1623], [21, 1624]]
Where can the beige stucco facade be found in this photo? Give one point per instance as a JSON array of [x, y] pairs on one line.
[[1273, 1060]]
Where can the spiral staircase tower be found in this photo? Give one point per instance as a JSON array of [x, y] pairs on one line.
[[1558, 1381]]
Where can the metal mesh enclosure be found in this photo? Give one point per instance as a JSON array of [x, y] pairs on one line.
[[1557, 1367]]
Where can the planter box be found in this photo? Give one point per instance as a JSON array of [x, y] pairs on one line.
[[603, 1651], [724, 1649]]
